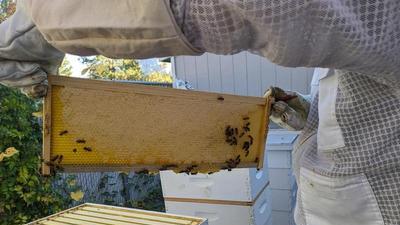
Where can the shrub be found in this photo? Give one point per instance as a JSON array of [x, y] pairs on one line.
[[25, 195]]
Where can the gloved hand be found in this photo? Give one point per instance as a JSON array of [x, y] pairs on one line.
[[289, 109], [25, 56]]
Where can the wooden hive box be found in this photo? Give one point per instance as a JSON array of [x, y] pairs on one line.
[[97, 125], [92, 214]]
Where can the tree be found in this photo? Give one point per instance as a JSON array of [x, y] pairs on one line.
[[100, 67], [65, 68], [25, 195], [7, 8], [158, 77]]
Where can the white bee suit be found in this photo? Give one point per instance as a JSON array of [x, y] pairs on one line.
[[347, 159], [25, 56], [41, 31]]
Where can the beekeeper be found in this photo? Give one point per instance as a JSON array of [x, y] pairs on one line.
[[347, 157]]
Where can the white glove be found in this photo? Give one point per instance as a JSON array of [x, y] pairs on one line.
[[25, 57], [289, 109]]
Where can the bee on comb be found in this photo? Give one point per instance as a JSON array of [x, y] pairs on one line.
[[81, 141], [64, 132]]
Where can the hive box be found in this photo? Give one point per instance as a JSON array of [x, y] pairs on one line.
[[283, 184], [282, 218], [109, 126], [282, 178], [280, 146], [258, 213], [93, 214], [283, 200], [236, 185]]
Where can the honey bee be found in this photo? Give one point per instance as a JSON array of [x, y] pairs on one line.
[[233, 163], [234, 141], [54, 158], [48, 163], [63, 132], [81, 141], [74, 150], [238, 159], [228, 131], [185, 171], [88, 149], [230, 134], [246, 128], [246, 118], [54, 164], [251, 139], [220, 98], [246, 146], [189, 170]]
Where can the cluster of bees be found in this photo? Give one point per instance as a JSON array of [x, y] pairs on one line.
[[232, 163], [78, 141], [189, 170], [232, 137], [56, 160], [54, 164]]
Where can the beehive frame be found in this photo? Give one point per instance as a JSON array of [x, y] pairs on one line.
[[125, 127], [93, 214]]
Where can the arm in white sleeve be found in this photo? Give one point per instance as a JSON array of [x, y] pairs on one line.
[[357, 36], [25, 57]]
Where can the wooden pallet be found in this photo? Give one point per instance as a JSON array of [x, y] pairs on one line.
[[110, 126], [92, 214]]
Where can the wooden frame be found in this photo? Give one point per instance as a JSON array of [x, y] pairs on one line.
[[89, 213], [188, 127]]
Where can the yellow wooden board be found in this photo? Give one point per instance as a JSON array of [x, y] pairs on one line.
[[110, 126], [101, 214]]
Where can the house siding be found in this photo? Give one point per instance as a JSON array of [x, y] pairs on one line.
[[241, 74]]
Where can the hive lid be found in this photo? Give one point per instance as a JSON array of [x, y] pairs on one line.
[[93, 214]]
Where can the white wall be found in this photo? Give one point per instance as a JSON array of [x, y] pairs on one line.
[[241, 74]]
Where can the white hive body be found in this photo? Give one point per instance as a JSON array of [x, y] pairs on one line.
[[283, 183], [240, 196]]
